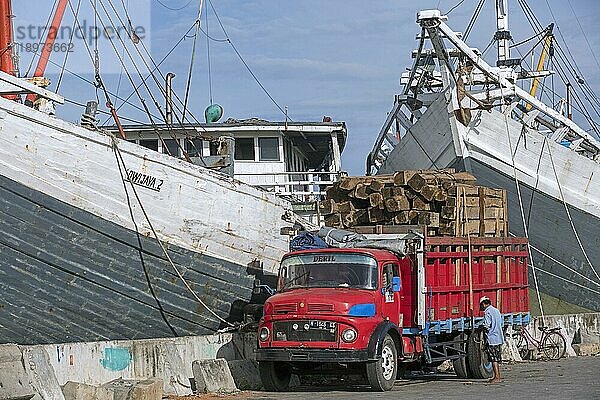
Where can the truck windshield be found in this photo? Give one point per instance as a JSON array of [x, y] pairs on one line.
[[328, 270]]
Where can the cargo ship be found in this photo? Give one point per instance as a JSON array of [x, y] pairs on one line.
[[456, 110]]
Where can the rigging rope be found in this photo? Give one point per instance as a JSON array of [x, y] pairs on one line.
[[64, 65], [192, 60], [39, 44], [455, 7], [121, 161], [548, 256], [518, 187], [568, 281], [155, 68], [152, 122], [574, 69], [246, 64], [174, 8], [139, 249], [562, 197], [160, 86], [473, 19], [210, 97]]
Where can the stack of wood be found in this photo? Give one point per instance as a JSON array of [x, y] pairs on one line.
[[449, 203]]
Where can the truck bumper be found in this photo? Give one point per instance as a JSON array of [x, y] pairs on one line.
[[313, 355]]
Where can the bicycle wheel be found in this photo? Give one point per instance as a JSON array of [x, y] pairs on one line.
[[554, 346], [521, 344]]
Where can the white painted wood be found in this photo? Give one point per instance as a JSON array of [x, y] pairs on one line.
[[487, 139], [196, 208], [22, 86]]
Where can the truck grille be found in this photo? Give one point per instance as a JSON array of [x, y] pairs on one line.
[[285, 308], [318, 307], [305, 331]]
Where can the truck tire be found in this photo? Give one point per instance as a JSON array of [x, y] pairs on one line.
[[275, 376], [477, 361], [460, 364], [382, 373], [460, 367]]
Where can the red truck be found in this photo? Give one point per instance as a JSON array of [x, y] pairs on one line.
[[378, 312]]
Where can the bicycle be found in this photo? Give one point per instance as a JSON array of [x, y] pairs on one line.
[[552, 345]]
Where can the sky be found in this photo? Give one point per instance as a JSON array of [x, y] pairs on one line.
[[340, 58]]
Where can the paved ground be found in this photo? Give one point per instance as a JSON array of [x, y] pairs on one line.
[[570, 378]]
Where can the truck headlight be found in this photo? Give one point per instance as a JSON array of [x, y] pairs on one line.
[[349, 335], [264, 334]]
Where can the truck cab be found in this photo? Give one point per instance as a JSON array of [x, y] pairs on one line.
[[375, 310]]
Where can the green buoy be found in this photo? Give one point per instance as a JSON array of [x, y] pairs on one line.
[[213, 113]]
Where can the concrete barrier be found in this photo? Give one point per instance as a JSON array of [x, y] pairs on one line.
[[170, 359], [119, 389], [213, 376], [14, 382], [44, 368]]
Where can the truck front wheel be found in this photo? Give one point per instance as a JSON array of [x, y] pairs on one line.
[[382, 373], [275, 376]]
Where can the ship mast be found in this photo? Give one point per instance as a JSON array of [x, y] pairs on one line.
[[502, 33], [6, 43]]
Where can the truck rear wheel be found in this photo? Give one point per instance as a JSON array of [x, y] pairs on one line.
[[275, 376], [382, 373], [479, 366], [460, 364], [460, 367]]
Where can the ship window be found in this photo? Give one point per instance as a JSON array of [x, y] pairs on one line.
[[269, 148], [150, 144], [244, 149], [172, 147], [193, 147]]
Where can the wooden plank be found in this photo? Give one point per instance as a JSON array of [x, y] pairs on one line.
[[467, 189], [421, 204], [328, 206], [397, 203], [428, 192], [441, 194], [493, 202], [420, 180], [391, 191], [377, 215], [334, 221], [345, 207], [334, 192], [361, 191], [431, 219], [386, 229], [447, 228], [402, 218], [350, 182], [376, 185], [376, 200], [401, 178], [448, 213], [481, 211]]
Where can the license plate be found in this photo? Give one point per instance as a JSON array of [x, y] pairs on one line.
[[324, 325]]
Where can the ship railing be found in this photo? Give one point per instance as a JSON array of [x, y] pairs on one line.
[[307, 186]]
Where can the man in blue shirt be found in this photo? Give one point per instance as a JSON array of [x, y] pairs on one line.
[[495, 337]]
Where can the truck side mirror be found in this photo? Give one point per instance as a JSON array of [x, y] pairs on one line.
[[396, 285]]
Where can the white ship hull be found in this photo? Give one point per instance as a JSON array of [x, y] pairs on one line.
[[75, 266], [483, 148]]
